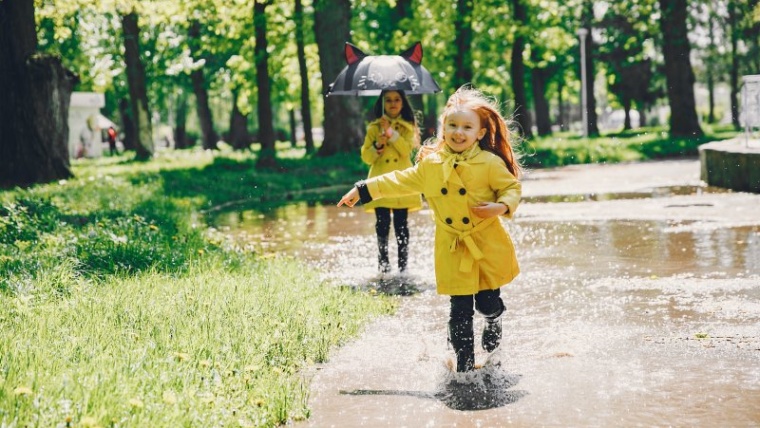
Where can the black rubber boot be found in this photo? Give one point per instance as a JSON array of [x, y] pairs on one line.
[[384, 263], [491, 334], [403, 253], [462, 340]]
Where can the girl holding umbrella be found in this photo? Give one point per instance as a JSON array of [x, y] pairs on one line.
[[388, 146]]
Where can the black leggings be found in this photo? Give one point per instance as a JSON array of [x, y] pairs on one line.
[[383, 230], [487, 302]]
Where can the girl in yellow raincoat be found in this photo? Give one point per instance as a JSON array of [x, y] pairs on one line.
[[387, 147], [469, 178]]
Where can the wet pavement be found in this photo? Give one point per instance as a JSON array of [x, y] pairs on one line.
[[638, 305]]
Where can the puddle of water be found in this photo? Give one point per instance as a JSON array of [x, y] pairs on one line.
[[613, 322]]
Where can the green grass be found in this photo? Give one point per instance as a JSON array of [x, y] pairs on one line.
[[634, 145], [118, 308]]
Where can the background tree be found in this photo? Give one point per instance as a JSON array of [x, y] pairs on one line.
[[678, 72], [517, 69], [463, 43], [299, 19], [266, 129], [343, 124], [200, 88], [36, 90], [587, 22], [140, 113]]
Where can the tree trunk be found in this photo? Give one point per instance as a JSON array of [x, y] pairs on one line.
[[588, 18], [517, 71], [733, 23], [305, 102], [198, 78], [137, 90], [36, 91], [540, 103], [180, 125], [344, 125], [712, 52], [239, 137], [266, 127], [561, 116], [678, 71], [627, 111], [463, 41]]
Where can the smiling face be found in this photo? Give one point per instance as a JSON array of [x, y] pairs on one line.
[[462, 129], [393, 104]]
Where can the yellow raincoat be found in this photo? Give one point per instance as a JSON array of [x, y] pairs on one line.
[[471, 253], [397, 155]]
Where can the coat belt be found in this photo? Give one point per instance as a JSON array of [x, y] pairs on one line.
[[465, 237]]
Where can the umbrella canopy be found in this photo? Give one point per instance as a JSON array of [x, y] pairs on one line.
[[368, 75]]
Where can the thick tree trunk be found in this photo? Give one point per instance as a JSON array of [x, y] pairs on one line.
[[198, 78], [463, 41], [678, 71], [266, 127], [180, 122], [540, 103], [517, 72], [239, 138], [305, 102], [138, 95], [36, 92], [344, 125]]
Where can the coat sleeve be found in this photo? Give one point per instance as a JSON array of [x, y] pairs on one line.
[[369, 154], [398, 183], [507, 188]]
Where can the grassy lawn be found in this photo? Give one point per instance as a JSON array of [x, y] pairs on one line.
[[118, 307]]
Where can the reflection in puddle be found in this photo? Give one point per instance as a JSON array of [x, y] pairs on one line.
[[342, 243]]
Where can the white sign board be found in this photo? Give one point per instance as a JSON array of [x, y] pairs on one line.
[[750, 112]]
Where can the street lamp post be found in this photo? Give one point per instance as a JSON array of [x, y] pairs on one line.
[[582, 32]]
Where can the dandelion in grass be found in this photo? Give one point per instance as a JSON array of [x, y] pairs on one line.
[[22, 390], [136, 403], [205, 364], [181, 356], [153, 227], [89, 422], [170, 397]]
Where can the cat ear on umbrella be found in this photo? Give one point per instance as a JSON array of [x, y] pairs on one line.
[[353, 54], [413, 54]]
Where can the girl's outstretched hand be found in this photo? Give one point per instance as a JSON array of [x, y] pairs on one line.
[[351, 198], [489, 209]]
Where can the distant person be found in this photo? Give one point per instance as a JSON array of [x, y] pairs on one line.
[[112, 140], [388, 146], [469, 177]]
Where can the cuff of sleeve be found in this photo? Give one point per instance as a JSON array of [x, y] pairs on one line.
[[364, 195], [510, 210]]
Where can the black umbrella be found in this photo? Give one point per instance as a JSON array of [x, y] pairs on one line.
[[370, 74]]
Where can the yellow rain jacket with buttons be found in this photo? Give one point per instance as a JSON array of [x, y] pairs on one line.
[[397, 155], [471, 253]]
